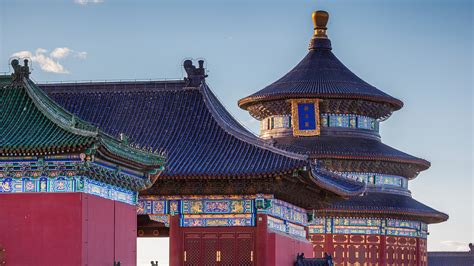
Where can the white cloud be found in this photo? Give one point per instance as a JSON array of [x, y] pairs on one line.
[[41, 50], [86, 2], [60, 52], [50, 63]]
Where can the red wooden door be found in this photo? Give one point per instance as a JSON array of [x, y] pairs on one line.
[[218, 249], [192, 249], [227, 249], [245, 249]]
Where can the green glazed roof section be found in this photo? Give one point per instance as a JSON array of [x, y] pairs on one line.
[[33, 124], [57, 114], [26, 130], [122, 150]]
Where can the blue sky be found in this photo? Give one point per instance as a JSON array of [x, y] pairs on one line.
[[418, 51]]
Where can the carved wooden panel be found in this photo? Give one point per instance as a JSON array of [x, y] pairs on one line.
[[192, 249], [209, 253], [218, 249], [227, 249], [245, 252], [349, 250]]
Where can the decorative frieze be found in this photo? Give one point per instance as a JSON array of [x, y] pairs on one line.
[[221, 210], [286, 227], [217, 206], [367, 226], [288, 212], [61, 184], [217, 220], [355, 121], [377, 179]]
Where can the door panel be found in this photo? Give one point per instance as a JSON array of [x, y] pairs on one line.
[[218, 249], [210, 249], [192, 249], [227, 249], [245, 251]]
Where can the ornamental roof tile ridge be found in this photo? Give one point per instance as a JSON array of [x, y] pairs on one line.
[[233, 127], [116, 86], [57, 114]]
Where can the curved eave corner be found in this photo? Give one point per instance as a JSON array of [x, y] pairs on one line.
[[337, 184], [150, 164]]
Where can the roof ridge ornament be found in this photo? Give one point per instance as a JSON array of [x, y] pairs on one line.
[[19, 71], [320, 39], [196, 75]]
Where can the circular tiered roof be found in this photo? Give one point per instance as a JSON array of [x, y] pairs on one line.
[[321, 75]]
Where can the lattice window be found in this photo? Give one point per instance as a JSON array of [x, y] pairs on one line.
[[209, 254], [339, 254], [192, 251], [373, 253], [227, 248], [245, 251]]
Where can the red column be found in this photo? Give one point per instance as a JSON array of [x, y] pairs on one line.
[[176, 242], [261, 240], [418, 252], [329, 247], [382, 250]]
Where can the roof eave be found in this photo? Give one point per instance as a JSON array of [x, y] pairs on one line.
[[346, 188], [246, 102]]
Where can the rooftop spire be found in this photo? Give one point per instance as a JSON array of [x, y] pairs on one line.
[[320, 39], [320, 20]]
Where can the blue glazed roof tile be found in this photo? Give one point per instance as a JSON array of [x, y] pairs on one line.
[[199, 137], [387, 203], [347, 148]]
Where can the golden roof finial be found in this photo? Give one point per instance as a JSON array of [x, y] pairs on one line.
[[320, 20]]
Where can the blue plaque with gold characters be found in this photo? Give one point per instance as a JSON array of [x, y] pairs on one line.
[[305, 113]]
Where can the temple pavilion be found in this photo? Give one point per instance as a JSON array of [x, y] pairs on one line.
[[317, 179], [323, 110], [68, 191]]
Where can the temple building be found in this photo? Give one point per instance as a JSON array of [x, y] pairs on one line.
[[317, 180], [322, 110], [68, 191], [226, 197]]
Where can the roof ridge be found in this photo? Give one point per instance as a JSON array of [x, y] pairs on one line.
[[116, 86], [59, 118], [241, 133]]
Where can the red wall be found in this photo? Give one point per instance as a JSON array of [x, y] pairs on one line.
[[66, 229], [268, 248], [283, 249], [370, 249]]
